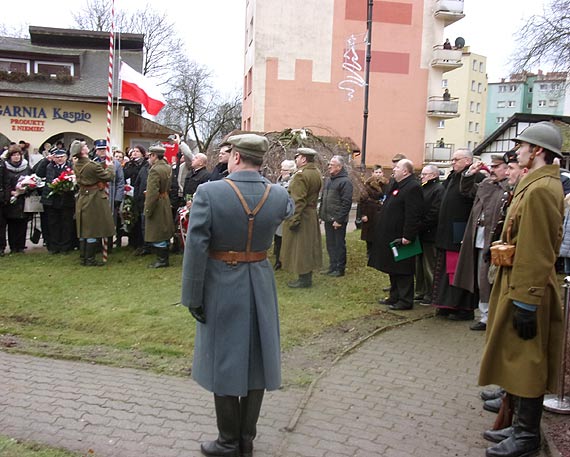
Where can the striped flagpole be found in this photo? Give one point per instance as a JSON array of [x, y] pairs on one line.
[[108, 155]]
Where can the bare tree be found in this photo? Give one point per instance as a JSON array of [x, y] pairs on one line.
[[545, 39], [197, 110], [161, 44]]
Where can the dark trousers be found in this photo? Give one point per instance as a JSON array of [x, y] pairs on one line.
[[402, 289], [425, 264], [17, 234], [336, 246], [277, 241], [3, 224], [44, 226], [61, 228]]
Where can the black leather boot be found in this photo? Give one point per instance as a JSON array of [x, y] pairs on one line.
[[162, 256], [491, 394], [82, 247], [496, 436], [249, 410], [90, 260], [493, 406], [525, 440], [228, 421], [305, 280]]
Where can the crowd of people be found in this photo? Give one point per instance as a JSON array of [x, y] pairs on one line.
[[487, 237]]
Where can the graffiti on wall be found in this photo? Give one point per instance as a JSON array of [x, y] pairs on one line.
[[353, 67]]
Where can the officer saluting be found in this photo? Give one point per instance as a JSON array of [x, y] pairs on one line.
[[229, 287]]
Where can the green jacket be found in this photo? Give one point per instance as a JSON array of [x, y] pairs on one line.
[[159, 222], [301, 252], [92, 209], [528, 368]]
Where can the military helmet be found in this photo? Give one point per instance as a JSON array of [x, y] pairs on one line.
[[544, 134]]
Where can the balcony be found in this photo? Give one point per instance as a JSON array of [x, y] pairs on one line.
[[435, 152], [443, 109], [446, 59], [449, 11]]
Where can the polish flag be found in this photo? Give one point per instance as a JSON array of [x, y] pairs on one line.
[[137, 88]]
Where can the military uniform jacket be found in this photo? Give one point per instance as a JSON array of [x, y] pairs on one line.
[[301, 251], [238, 348], [92, 210], [159, 224], [528, 368]]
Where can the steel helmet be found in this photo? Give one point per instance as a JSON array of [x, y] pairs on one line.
[[544, 134]]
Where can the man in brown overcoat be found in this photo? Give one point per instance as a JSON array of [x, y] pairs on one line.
[[524, 330], [93, 215], [301, 232], [159, 224]]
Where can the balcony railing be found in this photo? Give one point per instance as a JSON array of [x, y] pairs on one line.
[[446, 59], [435, 152], [446, 109], [449, 10]]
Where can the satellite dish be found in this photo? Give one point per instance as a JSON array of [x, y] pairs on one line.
[[459, 42]]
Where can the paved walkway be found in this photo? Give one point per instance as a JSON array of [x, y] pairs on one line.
[[410, 391]]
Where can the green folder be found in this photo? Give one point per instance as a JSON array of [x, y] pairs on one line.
[[401, 251]]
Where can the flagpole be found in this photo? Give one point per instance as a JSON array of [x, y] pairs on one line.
[[108, 156]]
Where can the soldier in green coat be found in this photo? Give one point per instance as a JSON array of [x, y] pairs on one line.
[[159, 225], [524, 330], [301, 249], [92, 210]]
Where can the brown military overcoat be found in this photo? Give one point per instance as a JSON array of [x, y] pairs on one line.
[[159, 223]]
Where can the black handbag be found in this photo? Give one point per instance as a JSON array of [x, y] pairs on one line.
[[35, 232]]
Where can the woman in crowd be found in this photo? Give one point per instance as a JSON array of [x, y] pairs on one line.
[[370, 204], [16, 218]]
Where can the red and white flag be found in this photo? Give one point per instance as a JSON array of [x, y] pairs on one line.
[[137, 88]]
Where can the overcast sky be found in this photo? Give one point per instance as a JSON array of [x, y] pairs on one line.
[[213, 29]]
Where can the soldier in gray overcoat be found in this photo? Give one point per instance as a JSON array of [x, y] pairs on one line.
[[93, 215], [229, 287], [159, 224]]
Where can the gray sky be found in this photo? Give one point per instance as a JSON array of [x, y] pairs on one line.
[[213, 30]]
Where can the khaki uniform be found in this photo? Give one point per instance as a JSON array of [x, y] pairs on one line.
[[528, 368], [301, 251], [159, 224]]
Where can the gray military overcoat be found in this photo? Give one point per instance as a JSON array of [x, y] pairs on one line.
[[238, 348]]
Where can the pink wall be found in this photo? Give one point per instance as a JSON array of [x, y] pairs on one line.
[[398, 87]]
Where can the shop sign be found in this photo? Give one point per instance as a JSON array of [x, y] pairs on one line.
[[33, 119]]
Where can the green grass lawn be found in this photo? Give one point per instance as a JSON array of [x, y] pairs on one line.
[[14, 448], [126, 314]]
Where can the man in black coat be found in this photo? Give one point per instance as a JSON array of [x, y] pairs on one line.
[[335, 207], [220, 171], [399, 220], [453, 302], [198, 175], [432, 191]]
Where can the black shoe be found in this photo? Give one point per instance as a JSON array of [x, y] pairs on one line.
[[493, 406], [492, 394], [478, 326], [461, 316], [336, 274], [418, 298], [386, 289], [442, 312], [386, 301], [400, 307], [277, 266], [496, 436], [303, 282]]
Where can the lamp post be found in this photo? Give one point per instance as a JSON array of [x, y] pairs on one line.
[[366, 83]]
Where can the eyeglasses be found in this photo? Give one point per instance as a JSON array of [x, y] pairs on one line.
[[458, 159]]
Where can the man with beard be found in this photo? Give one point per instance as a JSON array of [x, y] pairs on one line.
[[473, 262], [453, 302]]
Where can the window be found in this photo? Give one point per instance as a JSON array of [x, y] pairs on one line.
[[249, 81], [476, 127], [513, 88], [470, 126], [555, 86], [529, 106], [14, 65], [502, 88], [500, 120], [553, 103], [478, 108], [543, 87], [469, 145], [479, 87], [512, 103], [444, 83], [542, 103], [472, 107], [475, 144], [530, 90], [481, 67], [473, 86], [474, 65], [501, 104], [54, 68], [441, 125]]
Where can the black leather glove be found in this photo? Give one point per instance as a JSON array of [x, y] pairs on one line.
[[198, 314], [397, 242], [295, 227], [524, 322]]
